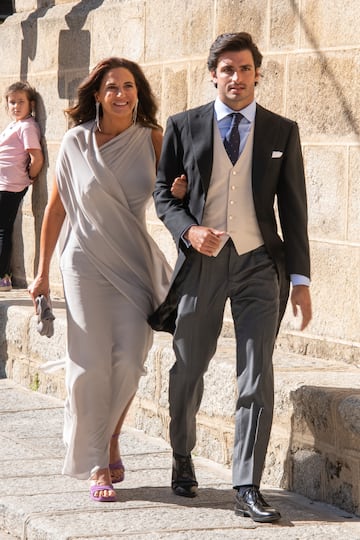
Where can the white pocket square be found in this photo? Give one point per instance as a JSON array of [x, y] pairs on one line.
[[276, 154]]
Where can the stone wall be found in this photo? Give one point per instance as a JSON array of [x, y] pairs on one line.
[[310, 73]]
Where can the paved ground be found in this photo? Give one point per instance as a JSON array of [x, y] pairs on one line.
[[38, 503]]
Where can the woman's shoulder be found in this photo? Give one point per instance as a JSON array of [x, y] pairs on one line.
[[78, 131], [82, 128], [156, 134]]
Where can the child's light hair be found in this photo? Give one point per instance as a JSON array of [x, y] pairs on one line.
[[21, 86]]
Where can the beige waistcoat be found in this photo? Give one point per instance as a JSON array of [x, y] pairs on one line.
[[229, 205]]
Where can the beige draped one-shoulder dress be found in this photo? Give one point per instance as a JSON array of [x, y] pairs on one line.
[[114, 276]]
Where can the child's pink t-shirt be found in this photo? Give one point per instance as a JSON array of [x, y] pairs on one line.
[[15, 140]]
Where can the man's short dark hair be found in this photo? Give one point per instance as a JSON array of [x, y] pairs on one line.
[[239, 41]]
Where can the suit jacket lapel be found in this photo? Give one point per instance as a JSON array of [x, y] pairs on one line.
[[265, 135], [201, 125]]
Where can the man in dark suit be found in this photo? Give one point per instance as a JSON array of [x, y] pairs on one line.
[[235, 166]]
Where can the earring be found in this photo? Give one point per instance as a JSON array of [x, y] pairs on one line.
[[134, 113], [97, 117]]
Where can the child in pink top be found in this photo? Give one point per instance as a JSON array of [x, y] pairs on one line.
[[21, 159]]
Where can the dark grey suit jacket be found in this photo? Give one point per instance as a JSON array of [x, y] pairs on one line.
[[277, 174]]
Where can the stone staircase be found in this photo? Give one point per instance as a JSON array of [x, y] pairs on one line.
[[315, 441]]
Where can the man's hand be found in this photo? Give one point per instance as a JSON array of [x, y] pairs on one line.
[[204, 239], [300, 296]]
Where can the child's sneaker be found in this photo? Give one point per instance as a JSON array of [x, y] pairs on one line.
[[5, 283]]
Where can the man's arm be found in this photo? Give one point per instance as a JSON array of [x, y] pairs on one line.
[[172, 211], [292, 206]]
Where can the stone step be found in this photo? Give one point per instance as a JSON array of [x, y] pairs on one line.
[[315, 442]]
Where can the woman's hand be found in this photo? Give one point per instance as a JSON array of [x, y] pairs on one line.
[[179, 187], [39, 286]]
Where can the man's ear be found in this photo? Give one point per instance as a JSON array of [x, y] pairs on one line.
[[213, 77]]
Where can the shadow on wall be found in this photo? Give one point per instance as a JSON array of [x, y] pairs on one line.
[[29, 36], [73, 66], [74, 49], [39, 195]]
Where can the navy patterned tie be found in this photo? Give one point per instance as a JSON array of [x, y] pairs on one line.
[[232, 138]]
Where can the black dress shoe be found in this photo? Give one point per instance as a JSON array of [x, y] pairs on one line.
[[183, 482], [252, 504]]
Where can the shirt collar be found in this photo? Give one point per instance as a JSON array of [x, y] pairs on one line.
[[222, 110]]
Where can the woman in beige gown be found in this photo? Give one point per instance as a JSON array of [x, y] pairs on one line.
[[114, 275]]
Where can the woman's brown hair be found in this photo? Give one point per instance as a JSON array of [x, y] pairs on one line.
[[84, 110]]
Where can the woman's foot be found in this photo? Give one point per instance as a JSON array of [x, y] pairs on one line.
[[117, 471], [101, 489], [5, 283], [116, 466]]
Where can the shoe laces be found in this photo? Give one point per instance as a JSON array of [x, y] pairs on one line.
[[185, 468], [255, 495]]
